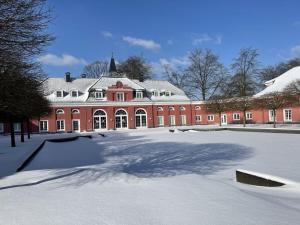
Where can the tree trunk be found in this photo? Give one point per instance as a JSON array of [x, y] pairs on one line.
[[22, 131], [28, 128], [220, 119], [274, 119], [244, 119], [12, 132]]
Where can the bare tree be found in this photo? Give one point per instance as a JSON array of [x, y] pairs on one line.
[[274, 101], [242, 104], [293, 87], [96, 69], [245, 69], [205, 73], [136, 67], [217, 105]]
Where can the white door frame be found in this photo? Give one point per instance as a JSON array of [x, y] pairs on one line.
[[224, 122], [78, 125]]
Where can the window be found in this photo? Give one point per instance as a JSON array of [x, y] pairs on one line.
[[287, 115], [210, 118], [75, 111], [74, 94], [59, 94], [182, 120], [271, 115], [172, 120], [1, 127], [197, 107], [182, 108], [17, 127], [139, 94], [167, 93], [160, 109], [198, 118], [120, 96], [60, 125], [155, 93], [160, 120], [236, 116], [171, 108], [99, 94], [43, 125], [60, 111], [248, 115]]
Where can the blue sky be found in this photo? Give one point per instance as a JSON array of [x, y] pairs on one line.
[[165, 31]]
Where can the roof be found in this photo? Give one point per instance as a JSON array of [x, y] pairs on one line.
[[279, 83], [105, 82]]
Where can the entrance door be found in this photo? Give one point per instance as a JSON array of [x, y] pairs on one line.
[[224, 119], [76, 125], [140, 118], [121, 119]]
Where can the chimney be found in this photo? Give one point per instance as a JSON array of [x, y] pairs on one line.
[[68, 77]]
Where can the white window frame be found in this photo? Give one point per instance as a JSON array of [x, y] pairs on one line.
[[210, 118], [74, 91], [75, 111], [60, 111], [162, 121], [160, 109], [61, 93], [236, 116], [139, 94], [155, 93], [249, 115], [1, 127], [99, 94], [17, 127], [182, 108], [47, 126], [167, 93], [78, 120], [183, 121], [118, 95], [290, 117], [197, 107], [172, 120], [171, 108], [64, 125], [198, 118]]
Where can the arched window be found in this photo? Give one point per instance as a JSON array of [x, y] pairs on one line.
[[182, 108], [75, 111], [60, 111], [140, 118], [160, 109], [140, 111], [197, 107], [99, 113], [121, 112], [171, 108], [99, 120], [121, 119]]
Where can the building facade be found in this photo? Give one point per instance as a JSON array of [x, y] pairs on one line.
[[84, 105]]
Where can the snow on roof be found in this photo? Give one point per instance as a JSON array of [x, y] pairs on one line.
[[163, 85], [105, 82], [279, 83]]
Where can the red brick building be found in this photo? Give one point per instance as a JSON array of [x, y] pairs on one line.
[[84, 104]]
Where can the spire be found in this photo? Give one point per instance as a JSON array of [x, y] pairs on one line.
[[112, 65]]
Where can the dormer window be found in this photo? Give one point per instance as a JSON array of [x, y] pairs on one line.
[[59, 94], [74, 94], [120, 96], [139, 94], [99, 94], [155, 93], [167, 93]]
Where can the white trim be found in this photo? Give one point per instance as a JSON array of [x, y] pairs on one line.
[[123, 96], [160, 109], [236, 116], [198, 121], [163, 122], [171, 108], [40, 126], [212, 116], [183, 122], [197, 107], [75, 111], [224, 122], [284, 118], [121, 121], [62, 111], [271, 117], [62, 93], [249, 117], [182, 108], [172, 120], [77, 93], [141, 95], [78, 125], [140, 115], [99, 129]]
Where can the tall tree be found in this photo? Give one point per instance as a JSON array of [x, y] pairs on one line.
[[242, 104], [218, 105], [245, 69], [136, 67], [205, 73], [96, 69]]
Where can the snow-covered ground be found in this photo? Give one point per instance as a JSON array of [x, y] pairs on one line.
[[156, 177]]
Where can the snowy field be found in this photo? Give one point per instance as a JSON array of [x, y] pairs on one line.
[[143, 177]]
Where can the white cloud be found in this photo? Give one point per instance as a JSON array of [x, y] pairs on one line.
[[64, 60], [106, 34], [148, 44], [295, 51], [202, 38]]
